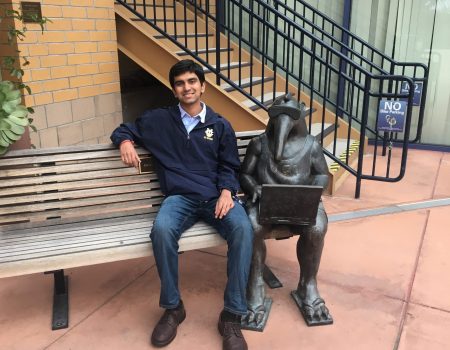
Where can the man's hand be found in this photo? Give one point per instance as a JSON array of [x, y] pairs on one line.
[[129, 155], [224, 204]]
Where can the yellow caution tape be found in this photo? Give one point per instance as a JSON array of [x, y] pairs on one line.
[[334, 167]]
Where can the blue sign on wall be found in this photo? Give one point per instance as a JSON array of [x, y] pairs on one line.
[[391, 115], [418, 87]]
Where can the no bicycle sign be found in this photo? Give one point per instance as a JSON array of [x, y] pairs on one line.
[[391, 115]]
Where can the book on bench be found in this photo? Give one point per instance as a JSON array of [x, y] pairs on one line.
[[289, 204]]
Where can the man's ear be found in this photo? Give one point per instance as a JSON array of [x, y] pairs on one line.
[[202, 89]]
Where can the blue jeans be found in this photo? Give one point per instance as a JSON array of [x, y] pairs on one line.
[[176, 215]]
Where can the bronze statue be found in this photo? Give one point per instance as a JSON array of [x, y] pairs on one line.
[[286, 154]]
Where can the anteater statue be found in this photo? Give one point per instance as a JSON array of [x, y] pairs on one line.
[[285, 154]]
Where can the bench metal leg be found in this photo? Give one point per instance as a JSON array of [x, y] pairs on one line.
[[271, 280], [60, 318]]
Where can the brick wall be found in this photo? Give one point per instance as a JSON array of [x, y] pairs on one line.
[[73, 73]]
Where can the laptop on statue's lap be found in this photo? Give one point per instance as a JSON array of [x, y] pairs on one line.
[[289, 204]]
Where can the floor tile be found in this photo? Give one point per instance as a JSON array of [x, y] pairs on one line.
[[432, 282], [425, 328], [26, 301], [442, 189], [362, 319], [375, 254], [417, 184]]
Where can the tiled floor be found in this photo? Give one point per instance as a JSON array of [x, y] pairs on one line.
[[385, 279]]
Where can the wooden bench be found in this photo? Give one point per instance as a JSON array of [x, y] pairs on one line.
[[76, 206]]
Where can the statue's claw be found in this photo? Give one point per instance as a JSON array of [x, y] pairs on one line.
[[316, 313], [255, 316]]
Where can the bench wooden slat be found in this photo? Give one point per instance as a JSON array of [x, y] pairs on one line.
[[58, 169], [248, 134], [77, 203], [241, 143], [58, 150], [128, 172], [96, 241], [100, 211], [86, 194], [31, 228], [105, 255], [52, 158], [48, 238], [58, 231], [242, 152], [77, 185], [71, 240], [110, 208]]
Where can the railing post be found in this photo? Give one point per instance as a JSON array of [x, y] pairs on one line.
[[390, 90], [422, 105], [343, 64], [362, 136], [220, 18]]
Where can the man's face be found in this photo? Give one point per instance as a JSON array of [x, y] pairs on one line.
[[188, 89]]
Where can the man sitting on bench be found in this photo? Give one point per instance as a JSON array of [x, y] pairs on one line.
[[197, 166]]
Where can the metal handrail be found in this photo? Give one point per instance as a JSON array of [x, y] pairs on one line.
[[362, 86], [347, 32], [364, 45]]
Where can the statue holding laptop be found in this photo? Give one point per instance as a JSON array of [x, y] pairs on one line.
[[285, 154]]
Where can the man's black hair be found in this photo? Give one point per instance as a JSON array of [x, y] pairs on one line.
[[183, 67]]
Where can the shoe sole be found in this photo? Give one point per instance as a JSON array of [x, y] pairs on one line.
[[162, 344]]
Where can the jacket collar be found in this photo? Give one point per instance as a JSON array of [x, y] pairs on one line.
[[201, 115], [210, 117]]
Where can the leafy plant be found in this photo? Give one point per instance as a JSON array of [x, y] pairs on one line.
[[13, 115]]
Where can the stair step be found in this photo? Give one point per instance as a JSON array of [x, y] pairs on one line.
[[268, 99], [327, 130], [232, 65], [341, 149], [246, 83], [316, 129], [198, 35], [157, 5], [162, 20], [198, 52]]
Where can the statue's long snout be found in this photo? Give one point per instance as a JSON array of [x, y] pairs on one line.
[[282, 127]]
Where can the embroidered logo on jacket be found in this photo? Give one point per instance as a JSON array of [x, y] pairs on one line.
[[209, 133]]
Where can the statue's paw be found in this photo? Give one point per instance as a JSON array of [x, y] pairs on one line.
[[255, 316], [316, 312]]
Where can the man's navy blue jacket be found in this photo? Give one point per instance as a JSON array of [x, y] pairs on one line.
[[197, 165]]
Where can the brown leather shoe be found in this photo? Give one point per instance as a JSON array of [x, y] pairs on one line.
[[166, 329], [230, 330]]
